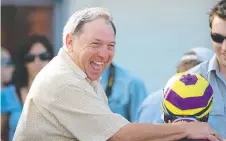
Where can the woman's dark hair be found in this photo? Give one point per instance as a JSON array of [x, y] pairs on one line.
[[20, 77]]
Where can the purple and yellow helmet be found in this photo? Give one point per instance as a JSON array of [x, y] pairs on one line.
[[188, 95]]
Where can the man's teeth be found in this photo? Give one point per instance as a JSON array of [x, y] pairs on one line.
[[99, 63]]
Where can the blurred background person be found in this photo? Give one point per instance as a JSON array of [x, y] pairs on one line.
[[33, 55], [150, 111], [7, 67], [194, 57], [188, 97], [125, 92]]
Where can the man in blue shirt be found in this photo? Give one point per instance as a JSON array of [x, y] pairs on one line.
[[214, 70], [125, 92]]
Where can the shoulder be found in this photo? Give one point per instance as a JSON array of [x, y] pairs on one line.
[[153, 99], [56, 80], [201, 68], [9, 90], [9, 99], [150, 111], [8, 93], [56, 74]]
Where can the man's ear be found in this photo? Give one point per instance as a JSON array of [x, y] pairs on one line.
[[69, 42]]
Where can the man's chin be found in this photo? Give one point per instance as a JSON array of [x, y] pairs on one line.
[[94, 77], [223, 63]]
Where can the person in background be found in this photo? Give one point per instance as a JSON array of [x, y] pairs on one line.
[[125, 92], [194, 57], [188, 97], [33, 55], [150, 110], [214, 70], [7, 67]]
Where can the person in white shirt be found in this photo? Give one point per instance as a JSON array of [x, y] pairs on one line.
[[66, 101]]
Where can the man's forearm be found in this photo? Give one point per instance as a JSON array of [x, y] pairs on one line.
[[150, 132]]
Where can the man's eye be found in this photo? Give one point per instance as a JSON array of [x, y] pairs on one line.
[[95, 44], [111, 47]]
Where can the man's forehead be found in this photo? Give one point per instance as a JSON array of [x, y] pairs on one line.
[[99, 39], [99, 30], [219, 25], [98, 24]]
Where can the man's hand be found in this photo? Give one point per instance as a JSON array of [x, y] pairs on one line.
[[200, 130]]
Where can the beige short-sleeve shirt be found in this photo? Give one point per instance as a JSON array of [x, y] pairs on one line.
[[63, 105]]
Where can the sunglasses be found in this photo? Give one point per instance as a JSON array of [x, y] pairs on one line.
[[45, 56], [6, 62], [218, 38]]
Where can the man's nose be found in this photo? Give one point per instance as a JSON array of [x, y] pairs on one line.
[[103, 53]]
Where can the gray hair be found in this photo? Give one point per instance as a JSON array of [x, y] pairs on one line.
[[79, 18]]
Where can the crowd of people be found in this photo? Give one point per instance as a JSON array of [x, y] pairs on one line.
[[80, 94], [17, 78]]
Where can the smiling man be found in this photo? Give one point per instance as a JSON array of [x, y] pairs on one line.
[[67, 103], [214, 70]]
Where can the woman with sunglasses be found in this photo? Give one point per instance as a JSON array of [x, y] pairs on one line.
[[33, 55]]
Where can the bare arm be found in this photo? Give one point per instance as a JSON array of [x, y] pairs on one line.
[[4, 119], [163, 132], [149, 132]]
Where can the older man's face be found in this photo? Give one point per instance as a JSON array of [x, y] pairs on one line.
[[93, 49], [219, 27]]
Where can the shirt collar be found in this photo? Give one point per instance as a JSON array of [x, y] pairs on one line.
[[213, 64], [72, 65], [62, 53]]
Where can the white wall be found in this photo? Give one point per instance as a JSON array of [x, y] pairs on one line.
[[153, 34]]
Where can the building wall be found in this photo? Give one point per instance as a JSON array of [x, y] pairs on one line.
[[152, 35]]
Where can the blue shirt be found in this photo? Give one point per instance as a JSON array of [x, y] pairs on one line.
[[128, 92], [149, 110], [10, 104]]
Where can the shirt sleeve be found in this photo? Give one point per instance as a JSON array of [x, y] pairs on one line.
[[150, 110], [7, 100], [85, 114], [3, 103], [138, 93]]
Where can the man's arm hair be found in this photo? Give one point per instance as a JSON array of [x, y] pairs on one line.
[[149, 132], [193, 140]]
